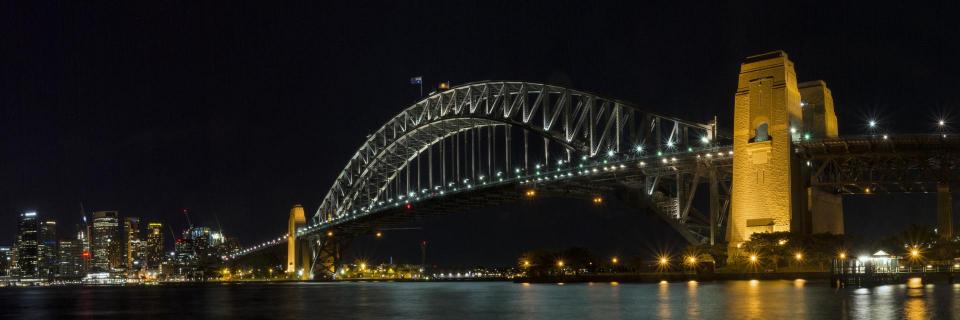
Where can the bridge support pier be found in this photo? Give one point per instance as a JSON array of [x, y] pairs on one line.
[[298, 261], [944, 211], [327, 254]]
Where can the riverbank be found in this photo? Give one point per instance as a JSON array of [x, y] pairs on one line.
[[674, 277], [926, 278]]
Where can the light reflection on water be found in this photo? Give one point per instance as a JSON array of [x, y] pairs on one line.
[[788, 299]]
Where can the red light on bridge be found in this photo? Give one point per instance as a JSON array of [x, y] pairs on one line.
[[408, 206], [85, 254]]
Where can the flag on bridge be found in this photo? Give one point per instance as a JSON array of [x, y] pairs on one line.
[[418, 80]]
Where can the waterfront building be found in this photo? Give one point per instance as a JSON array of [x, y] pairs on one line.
[[184, 258], [106, 243], [133, 245], [70, 259], [6, 259], [26, 255], [83, 238], [47, 249], [201, 238], [153, 250]]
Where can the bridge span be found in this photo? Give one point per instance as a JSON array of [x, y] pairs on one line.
[[492, 142]]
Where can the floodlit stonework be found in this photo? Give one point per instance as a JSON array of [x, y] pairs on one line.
[[294, 247], [769, 191]]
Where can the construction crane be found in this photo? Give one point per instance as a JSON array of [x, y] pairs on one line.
[[186, 213]]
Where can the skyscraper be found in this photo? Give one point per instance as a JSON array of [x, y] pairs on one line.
[[26, 256], [83, 238], [133, 244], [106, 242], [154, 249], [6, 259], [70, 259], [47, 249], [184, 259]]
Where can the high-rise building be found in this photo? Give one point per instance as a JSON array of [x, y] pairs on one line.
[[133, 244], [201, 239], [47, 249], [154, 249], [107, 255], [6, 260], [70, 259], [184, 259], [26, 257], [83, 238]]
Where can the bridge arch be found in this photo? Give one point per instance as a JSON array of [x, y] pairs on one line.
[[580, 123]]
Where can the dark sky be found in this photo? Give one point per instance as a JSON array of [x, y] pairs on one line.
[[238, 110]]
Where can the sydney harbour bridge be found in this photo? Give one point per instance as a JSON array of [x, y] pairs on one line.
[[784, 166]]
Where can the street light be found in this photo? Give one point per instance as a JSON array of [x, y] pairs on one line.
[[614, 260], [798, 256], [597, 200], [560, 263]]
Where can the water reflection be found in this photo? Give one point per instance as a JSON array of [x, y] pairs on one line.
[[787, 299], [663, 300], [693, 307], [753, 300], [916, 306]]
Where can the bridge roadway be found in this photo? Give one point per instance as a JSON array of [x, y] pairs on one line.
[[624, 177], [871, 164], [909, 163]]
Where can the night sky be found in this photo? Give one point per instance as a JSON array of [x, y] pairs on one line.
[[238, 111]]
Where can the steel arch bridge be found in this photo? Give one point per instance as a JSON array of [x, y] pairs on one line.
[[578, 123], [472, 145]]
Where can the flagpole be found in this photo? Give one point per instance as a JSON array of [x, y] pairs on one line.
[[421, 87]]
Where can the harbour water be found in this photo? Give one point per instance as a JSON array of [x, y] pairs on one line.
[[773, 299]]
